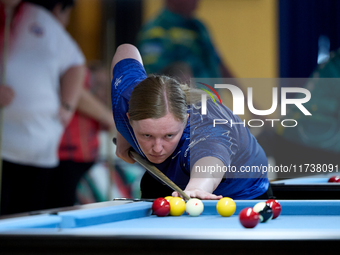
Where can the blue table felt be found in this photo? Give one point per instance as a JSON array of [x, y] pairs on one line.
[[299, 219]]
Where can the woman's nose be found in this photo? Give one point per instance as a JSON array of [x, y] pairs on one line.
[[157, 147]]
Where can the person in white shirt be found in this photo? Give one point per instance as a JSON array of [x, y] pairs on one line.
[[45, 70]]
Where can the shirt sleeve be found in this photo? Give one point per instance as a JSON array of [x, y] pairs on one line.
[[72, 55], [127, 73], [69, 52]]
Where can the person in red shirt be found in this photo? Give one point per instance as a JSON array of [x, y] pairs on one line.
[[79, 145]]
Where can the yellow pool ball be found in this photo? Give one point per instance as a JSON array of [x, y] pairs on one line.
[[226, 207], [177, 206], [168, 198]]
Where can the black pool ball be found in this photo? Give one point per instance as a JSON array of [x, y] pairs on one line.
[[264, 210]]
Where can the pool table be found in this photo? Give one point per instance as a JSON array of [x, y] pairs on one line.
[[312, 187], [128, 227]]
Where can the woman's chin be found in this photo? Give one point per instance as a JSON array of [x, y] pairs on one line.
[[156, 159]]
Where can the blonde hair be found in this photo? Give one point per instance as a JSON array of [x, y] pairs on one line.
[[157, 95]]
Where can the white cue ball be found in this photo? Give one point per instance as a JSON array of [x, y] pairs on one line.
[[194, 207]]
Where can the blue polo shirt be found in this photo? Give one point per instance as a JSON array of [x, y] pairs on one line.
[[233, 144]]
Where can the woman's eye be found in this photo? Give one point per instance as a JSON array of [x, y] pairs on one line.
[[146, 136], [169, 136]]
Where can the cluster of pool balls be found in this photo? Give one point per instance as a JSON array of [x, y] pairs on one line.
[[261, 212], [176, 206], [335, 178], [249, 217]]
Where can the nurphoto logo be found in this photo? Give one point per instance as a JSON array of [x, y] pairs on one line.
[[239, 103]]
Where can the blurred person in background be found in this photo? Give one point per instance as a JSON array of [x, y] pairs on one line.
[[79, 147], [45, 72], [175, 43]]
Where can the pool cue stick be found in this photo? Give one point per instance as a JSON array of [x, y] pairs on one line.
[[155, 172], [8, 12], [111, 168]]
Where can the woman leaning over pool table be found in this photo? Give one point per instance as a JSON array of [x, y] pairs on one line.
[[155, 117]]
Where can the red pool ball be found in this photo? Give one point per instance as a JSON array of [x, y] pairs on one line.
[[248, 217], [276, 207], [161, 207], [335, 178]]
